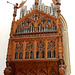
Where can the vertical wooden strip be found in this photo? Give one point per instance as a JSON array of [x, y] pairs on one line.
[[35, 44], [46, 49], [24, 47], [60, 49], [56, 45], [13, 49]]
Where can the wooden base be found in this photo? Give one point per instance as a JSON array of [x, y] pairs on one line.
[[33, 67]]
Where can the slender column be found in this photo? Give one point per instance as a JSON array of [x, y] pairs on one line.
[[35, 49], [9, 51], [24, 47], [60, 49], [56, 45], [61, 60], [13, 50], [46, 49]]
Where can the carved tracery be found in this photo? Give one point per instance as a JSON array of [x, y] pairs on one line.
[[40, 49], [36, 16], [19, 50], [36, 23], [51, 49], [29, 50]]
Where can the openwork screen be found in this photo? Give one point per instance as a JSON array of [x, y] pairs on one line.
[[40, 51], [36, 23], [51, 49], [19, 50], [29, 49]]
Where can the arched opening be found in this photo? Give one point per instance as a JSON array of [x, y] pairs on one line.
[[46, 28], [53, 54], [42, 54], [20, 55], [49, 54], [27, 55], [32, 29], [40, 28], [37, 54], [31, 55], [16, 55]]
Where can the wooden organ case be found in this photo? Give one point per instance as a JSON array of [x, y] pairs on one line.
[[35, 45]]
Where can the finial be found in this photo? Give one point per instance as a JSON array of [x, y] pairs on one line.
[[36, 3], [56, 2]]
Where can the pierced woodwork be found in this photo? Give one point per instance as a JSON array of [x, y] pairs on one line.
[[36, 45], [29, 50], [41, 25]]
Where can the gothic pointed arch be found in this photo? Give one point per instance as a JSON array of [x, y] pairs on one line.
[[52, 72], [40, 49], [21, 73], [24, 24], [42, 72], [19, 50], [29, 50], [31, 72]]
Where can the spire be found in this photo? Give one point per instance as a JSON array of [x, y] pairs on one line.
[[36, 3]]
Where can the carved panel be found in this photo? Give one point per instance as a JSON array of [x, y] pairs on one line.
[[41, 25], [40, 49], [51, 49], [29, 50], [19, 50], [42, 73], [31, 73], [36, 16], [52, 72], [21, 73]]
